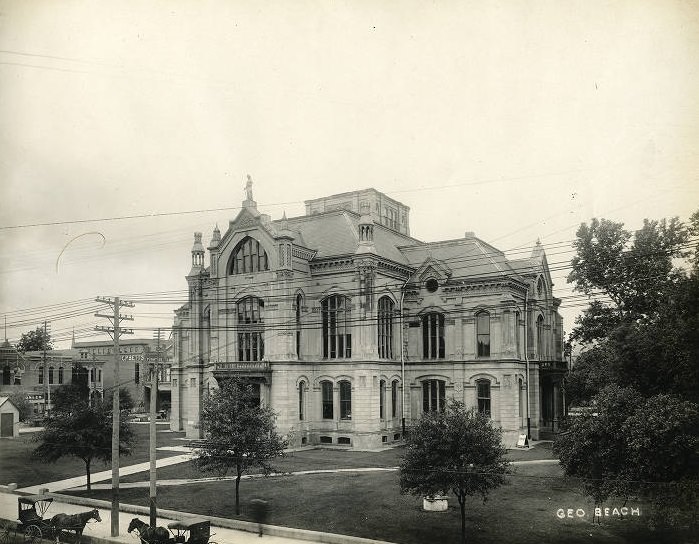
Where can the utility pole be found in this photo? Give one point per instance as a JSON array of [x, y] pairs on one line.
[[115, 331], [153, 401]]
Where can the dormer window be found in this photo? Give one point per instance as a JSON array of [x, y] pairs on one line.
[[249, 256]]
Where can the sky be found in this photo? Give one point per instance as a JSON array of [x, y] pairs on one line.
[[122, 123]]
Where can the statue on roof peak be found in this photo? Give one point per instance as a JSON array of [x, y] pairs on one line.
[[248, 188]]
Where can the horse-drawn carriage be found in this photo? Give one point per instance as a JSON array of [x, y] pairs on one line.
[[30, 512], [193, 531], [34, 526]]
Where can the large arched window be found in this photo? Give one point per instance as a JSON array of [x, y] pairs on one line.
[[518, 349], [337, 339], [385, 328], [248, 256], [299, 303], [540, 336], [433, 336], [326, 391], [483, 333], [483, 393], [41, 374], [251, 344], [433, 395], [50, 375], [60, 375], [345, 400]]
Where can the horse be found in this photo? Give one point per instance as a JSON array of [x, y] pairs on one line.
[[73, 522], [148, 534]]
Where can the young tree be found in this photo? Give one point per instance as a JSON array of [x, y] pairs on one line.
[[239, 434], [85, 433], [458, 450], [69, 397], [35, 340]]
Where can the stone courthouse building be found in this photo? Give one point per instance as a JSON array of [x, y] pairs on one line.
[[349, 328]]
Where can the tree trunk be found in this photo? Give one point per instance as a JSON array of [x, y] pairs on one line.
[[237, 494], [87, 470], [462, 505]]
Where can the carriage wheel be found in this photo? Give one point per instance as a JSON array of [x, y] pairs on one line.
[[32, 534]]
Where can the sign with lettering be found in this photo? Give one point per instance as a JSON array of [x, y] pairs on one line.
[[523, 441]]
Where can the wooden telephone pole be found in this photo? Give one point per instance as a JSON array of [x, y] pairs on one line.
[[155, 368], [115, 331]]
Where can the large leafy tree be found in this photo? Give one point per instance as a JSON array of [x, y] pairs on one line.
[[641, 328], [239, 434], [84, 432], [628, 274], [639, 376], [35, 340], [627, 446], [457, 450]]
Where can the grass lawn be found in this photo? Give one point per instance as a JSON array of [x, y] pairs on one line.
[[370, 505], [17, 465], [319, 459]]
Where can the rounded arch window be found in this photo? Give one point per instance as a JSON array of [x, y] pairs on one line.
[[483, 393], [385, 327], [248, 256], [483, 333], [431, 285], [336, 325], [251, 343]]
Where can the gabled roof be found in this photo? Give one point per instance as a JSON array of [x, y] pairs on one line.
[[3, 400]]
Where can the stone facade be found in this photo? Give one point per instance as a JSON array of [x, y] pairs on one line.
[[350, 328]]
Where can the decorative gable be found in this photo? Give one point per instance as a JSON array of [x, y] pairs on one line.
[[432, 268]]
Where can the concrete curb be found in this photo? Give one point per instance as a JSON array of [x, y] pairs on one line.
[[238, 525]]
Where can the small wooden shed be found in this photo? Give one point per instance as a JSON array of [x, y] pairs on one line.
[[9, 419]]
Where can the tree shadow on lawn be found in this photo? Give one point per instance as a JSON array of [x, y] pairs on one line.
[[315, 459], [370, 505]]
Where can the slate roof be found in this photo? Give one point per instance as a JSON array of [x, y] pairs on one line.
[[333, 234], [466, 257]]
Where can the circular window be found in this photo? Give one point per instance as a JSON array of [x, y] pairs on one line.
[[431, 285]]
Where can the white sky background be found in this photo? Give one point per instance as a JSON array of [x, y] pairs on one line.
[[515, 120]]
